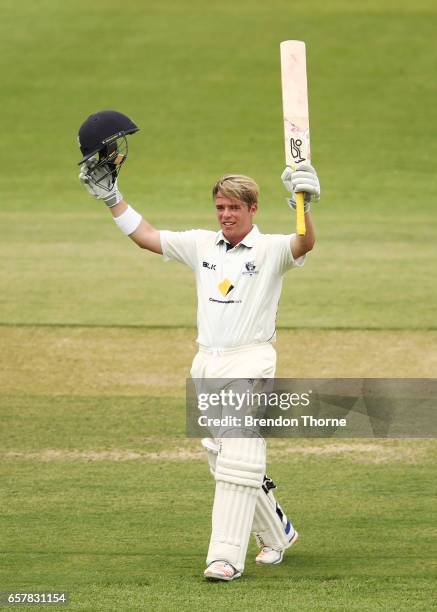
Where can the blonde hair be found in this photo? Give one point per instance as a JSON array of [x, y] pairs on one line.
[[238, 187]]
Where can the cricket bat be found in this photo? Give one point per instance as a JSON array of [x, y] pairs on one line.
[[295, 109]]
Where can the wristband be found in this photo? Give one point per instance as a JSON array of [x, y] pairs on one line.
[[128, 221]]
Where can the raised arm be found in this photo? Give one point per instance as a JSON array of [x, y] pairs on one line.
[[303, 179], [102, 186], [145, 235], [302, 244]]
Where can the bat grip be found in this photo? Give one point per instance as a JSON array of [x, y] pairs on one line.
[[300, 214]]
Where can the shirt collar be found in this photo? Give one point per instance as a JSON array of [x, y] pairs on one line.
[[248, 241]]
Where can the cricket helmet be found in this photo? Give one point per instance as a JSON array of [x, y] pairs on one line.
[[103, 136]]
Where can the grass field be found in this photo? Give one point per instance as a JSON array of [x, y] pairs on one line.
[[101, 493]]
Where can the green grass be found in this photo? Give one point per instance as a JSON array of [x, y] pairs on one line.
[[103, 496], [72, 269], [132, 534], [204, 87], [101, 493]]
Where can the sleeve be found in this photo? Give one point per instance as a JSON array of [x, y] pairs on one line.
[[180, 246], [285, 260]]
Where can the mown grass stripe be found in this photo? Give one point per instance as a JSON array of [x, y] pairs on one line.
[[178, 327]]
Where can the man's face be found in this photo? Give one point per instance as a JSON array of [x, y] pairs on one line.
[[235, 217]]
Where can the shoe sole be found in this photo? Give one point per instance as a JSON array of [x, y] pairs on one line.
[[218, 577]]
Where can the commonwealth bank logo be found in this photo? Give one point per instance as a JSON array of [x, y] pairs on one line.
[[225, 287]]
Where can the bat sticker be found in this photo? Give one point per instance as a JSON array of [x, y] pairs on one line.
[[295, 148]]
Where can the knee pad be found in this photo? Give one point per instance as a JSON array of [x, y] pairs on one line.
[[241, 461]]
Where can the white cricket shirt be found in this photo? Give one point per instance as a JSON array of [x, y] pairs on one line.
[[238, 289]]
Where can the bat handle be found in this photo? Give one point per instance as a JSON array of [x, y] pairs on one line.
[[300, 214]]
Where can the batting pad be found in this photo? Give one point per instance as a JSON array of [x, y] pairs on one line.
[[211, 452], [239, 473], [270, 526]]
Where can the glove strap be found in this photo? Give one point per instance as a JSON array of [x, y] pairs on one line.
[[113, 198]]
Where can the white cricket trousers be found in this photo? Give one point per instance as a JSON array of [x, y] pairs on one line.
[[250, 361], [241, 462]]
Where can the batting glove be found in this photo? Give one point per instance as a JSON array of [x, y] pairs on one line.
[[93, 178], [305, 179]]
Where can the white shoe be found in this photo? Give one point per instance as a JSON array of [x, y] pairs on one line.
[[271, 556], [221, 570]]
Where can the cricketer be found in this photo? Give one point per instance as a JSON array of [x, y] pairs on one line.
[[238, 272]]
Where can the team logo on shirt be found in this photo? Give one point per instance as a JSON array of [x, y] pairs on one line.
[[250, 268]]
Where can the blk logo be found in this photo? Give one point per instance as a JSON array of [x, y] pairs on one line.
[[296, 151], [209, 266]]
